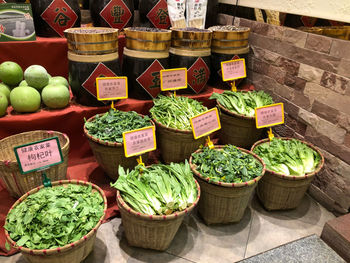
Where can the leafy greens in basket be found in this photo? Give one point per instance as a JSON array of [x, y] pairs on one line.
[[289, 157], [159, 190], [111, 125], [55, 216], [243, 103], [175, 112], [228, 165]]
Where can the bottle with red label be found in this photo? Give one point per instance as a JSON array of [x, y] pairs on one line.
[[52, 17], [112, 13], [154, 13]]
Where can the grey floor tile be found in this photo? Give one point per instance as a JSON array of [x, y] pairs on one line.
[[200, 243], [268, 232], [309, 211]]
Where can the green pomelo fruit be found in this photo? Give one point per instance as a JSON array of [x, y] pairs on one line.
[[36, 76], [3, 104], [55, 96], [58, 80], [11, 73], [23, 83], [5, 89], [25, 99]]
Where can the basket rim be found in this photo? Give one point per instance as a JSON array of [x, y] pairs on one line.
[[171, 129], [231, 185], [294, 177], [54, 133], [163, 31], [203, 31], [106, 143], [68, 246], [243, 29], [122, 204], [71, 30]]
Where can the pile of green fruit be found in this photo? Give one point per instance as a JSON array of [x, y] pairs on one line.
[[25, 91]]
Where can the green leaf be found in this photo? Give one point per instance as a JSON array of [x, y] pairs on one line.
[[7, 246]]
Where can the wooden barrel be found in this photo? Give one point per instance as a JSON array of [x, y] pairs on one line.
[[229, 38], [83, 71], [52, 17], [147, 39], [191, 38], [197, 63], [92, 40], [112, 13], [225, 55], [142, 69]]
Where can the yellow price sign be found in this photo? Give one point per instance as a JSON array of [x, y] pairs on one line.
[[205, 123], [112, 88], [173, 79], [269, 115], [139, 141]]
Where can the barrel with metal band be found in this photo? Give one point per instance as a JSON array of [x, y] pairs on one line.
[[145, 54], [228, 43]]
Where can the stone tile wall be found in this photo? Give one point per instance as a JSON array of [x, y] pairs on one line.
[[310, 74]]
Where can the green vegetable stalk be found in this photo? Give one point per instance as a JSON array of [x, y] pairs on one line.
[[228, 165], [159, 190], [175, 112], [54, 217], [111, 125], [289, 157], [243, 103]]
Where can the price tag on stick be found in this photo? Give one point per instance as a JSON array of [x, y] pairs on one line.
[[137, 142], [205, 123], [232, 70], [112, 88], [173, 79], [38, 155], [268, 116]]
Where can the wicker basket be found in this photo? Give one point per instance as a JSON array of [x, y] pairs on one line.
[[221, 202], [147, 231], [237, 129], [281, 192], [18, 184], [70, 253], [110, 155], [176, 145]]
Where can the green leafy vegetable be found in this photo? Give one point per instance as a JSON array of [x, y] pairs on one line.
[[289, 157], [54, 217], [243, 102], [229, 165], [175, 112], [159, 190], [111, 125]]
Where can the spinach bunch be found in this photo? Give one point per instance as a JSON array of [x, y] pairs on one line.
[[111, 125], [228, 165], [159, 190], [289, 157], [243, 102], [54, 216], [175, 112]]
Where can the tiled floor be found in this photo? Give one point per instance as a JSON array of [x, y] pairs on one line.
[[258, 231]]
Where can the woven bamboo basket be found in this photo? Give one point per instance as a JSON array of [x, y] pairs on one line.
[[153, 41], [18, 184], [281, 192], [223, 203], [237, 129], [176, 145], [92, 40], [70, 253], [110, 155], [151, 231]]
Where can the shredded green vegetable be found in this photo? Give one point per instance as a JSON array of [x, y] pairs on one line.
[[111, 125], [159, 190], [55, 216], [229, 165], [176, 112], [243, 102]]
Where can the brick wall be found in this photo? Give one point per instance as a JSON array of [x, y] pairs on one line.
[[310, 74]]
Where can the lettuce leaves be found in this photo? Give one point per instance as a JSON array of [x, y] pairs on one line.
[[289, 157]]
